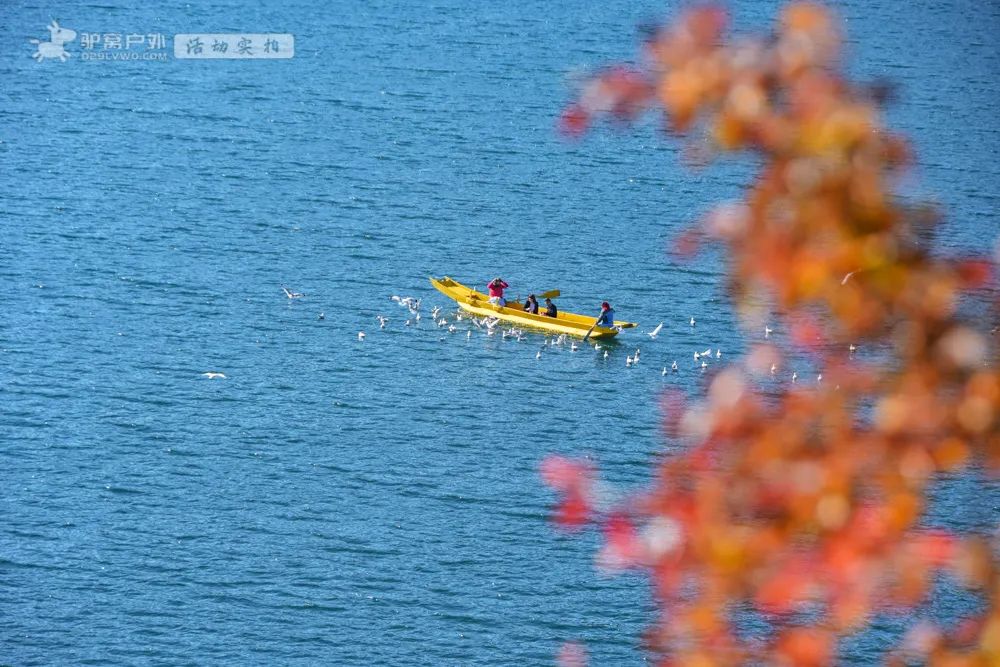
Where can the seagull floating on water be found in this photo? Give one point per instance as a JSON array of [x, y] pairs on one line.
[[606, 354], [655, 332], [664, 371], [718, 354], [692, 321], [767, 331], [468, 334], [290, 294], [774, 367], [852, 348], [819, 378], [673, 366], [212, 376], [704, 365], [322, 316], [573, 347], [795, 376], [538, 355], [361, 335], [382, 319], [628, 362]]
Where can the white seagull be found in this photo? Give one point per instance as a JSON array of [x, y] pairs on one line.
[[774, 367], [692, 321], [573, 347], [382, 319], [767, 331], [211, 376], [673, 366], [606, 354], [795, 376], [538, 355], [290, 294], [655, 332], [664, 371], [361, 335]]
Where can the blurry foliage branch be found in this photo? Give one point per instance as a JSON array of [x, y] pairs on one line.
[[805, 508]]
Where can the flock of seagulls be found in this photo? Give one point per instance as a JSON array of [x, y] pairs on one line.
[[491, 326]]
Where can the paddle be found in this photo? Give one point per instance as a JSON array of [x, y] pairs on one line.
[[591, 330]]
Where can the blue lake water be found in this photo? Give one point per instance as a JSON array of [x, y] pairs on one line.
[[349, 503]]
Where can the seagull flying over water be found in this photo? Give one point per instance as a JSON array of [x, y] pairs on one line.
[[211, 376], [655, 332], [382, 319], [290, 294]]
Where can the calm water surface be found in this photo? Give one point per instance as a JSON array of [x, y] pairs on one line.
[[348, 503]]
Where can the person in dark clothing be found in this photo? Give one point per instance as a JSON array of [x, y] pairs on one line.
[[550, 308]]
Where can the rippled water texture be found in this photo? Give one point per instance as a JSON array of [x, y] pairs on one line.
[[337, 502]]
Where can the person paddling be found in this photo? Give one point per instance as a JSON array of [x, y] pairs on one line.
[[496, 288], [607, 316], [605, 319]]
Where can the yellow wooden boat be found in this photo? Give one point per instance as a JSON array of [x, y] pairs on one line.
[[478, 303]]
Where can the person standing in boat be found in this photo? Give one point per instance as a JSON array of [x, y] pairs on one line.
[[550, 308], [607, 317], [531, 305], [496, 287]]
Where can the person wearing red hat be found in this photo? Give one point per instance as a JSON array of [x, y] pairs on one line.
[[607, 316], [605, 319]]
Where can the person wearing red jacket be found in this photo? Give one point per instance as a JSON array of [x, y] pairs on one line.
[[496, 287]]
